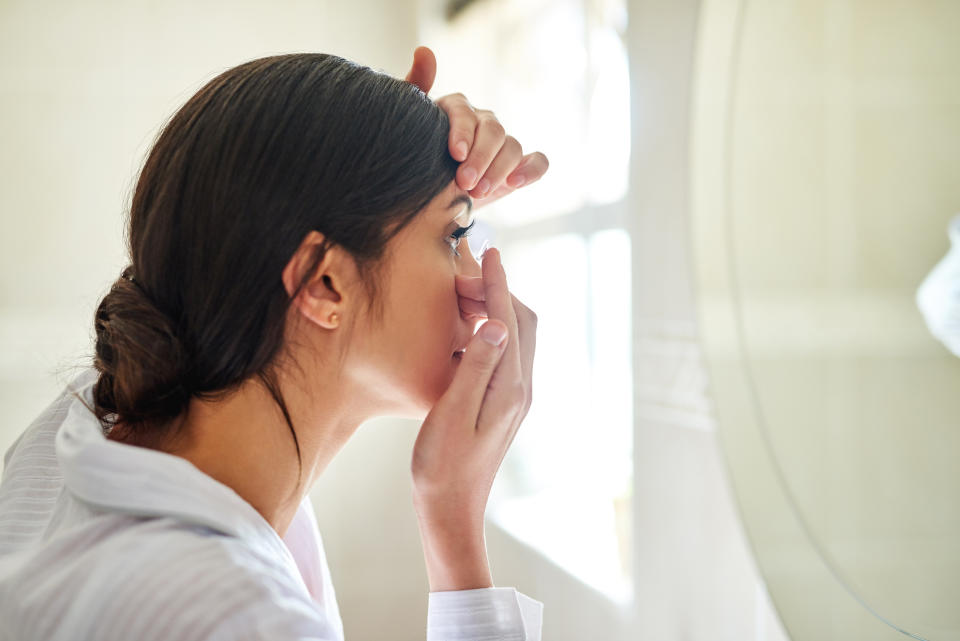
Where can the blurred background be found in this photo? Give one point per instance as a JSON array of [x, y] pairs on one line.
[[744, 427]]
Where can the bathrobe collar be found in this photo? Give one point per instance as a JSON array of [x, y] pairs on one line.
[[139, 481]]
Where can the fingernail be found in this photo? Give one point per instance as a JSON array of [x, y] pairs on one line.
[[461, 150], [493, 334], [469, 176], [483, 186], [517, 181]]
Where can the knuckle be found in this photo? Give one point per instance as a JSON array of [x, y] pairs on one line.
[[464, 130], [487, 361], [497, 128], [513, 144], [518, 394], [457, 105], [528, 313], [462, 118]]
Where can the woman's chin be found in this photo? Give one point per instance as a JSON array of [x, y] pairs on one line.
[[441, 379]]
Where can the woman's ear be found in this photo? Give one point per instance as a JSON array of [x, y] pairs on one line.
[[320, 299]]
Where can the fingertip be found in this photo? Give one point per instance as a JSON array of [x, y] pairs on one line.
[[493, 332], [467, 178], [490, 267], [483, 260]]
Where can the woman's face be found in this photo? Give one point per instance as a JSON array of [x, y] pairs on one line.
[[407, 360]]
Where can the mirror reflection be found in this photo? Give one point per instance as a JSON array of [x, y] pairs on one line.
[[831, 291]]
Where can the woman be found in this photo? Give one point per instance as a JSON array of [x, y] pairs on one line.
[[297, 268]]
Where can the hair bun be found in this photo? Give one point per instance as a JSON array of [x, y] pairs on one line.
[[141, 361]]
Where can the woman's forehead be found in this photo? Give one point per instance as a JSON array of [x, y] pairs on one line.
[[451, 204]]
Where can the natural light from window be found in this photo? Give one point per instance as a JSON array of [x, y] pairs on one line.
[[565, 487]]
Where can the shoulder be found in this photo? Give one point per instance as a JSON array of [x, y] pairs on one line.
[[218, 587], [132, 578], [197, 584], [179, 561], [42, 430]]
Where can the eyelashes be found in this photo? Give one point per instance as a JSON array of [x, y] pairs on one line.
[[463, 231], [460, 233]]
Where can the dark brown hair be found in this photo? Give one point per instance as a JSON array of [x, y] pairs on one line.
[[264, 153]]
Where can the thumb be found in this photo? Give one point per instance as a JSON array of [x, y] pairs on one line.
[[469, 386], [423, 70]]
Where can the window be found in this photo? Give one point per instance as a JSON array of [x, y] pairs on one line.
[[556, 72]]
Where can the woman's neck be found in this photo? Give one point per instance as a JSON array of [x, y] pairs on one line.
[[244, 442]]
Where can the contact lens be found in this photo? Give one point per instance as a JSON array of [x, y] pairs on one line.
[[483, 250]]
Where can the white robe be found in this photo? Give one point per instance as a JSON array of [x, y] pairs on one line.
[[103, 540]]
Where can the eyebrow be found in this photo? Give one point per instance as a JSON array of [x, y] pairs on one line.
[[461, 200]]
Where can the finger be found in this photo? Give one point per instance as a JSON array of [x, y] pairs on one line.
[[527, 339], [467, 392], [423, 71], [498, 193], [507, 376], [527, 342], [463, 124], [531, 169], [489, 138], [506, 160], [470, 307], [469, 286]]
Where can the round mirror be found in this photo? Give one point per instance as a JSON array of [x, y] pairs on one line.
[[826, 157]]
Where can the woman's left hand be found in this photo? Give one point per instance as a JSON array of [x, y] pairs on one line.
[[492, 164]]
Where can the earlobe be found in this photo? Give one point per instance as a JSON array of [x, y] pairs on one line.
[[310, 309], [319, 309], [321, 299]]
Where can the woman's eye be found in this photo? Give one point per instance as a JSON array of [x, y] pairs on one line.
[[460, 233]]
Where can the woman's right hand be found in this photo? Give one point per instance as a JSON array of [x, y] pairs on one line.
[[492, 163], [466, 435]]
